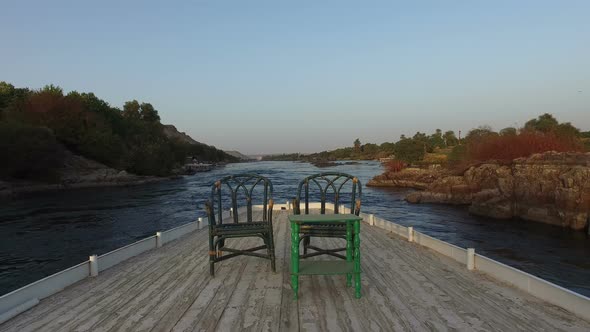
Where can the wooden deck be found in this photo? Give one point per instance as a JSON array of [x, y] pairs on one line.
[[405, 287]]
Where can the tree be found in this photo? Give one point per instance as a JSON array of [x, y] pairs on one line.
[[566, 129], [357, 145], [436, 139], [387, 147], [29, 152], [422, 138], [370, 149], [131, 109], [479, 133], [34, 125], [409, 150], [508, 131], [52, 89], [544, 123], [6, 94], [148, 113], [450, 138]]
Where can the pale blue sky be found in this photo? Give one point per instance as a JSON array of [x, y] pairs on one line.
[[303, 76]]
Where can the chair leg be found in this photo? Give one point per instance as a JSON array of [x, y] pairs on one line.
[[272, 255], [211, 257], [271, 243], [306, 242]]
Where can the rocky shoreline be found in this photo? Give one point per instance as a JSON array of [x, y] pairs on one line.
[[551, 187], [78, 172]]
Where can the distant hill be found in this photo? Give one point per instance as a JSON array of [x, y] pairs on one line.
[[200, 150], [172, 132], [239, 155]]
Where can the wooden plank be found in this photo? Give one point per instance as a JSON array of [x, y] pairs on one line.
[[76, 300], [166, 318], [259, 288], [208, 307], [325, 267]]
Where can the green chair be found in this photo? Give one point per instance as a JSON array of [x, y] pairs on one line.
[[229, 190], [339, 188]]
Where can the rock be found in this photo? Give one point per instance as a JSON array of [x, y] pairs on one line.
[[414, 197], [77, 172], [416, 178], [551, 187]]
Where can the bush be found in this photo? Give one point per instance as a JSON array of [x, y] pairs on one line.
[[394, 166], [29, 152], [507, 148]]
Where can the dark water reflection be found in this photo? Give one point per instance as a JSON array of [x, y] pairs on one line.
[[46, 233]]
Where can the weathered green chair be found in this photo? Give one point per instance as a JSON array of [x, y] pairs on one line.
[[344, 189], [230, 190]]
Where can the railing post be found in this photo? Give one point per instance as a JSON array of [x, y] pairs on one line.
[[93, 265], [470, 259], [372, 219], [158, 239], [200, 223], [288, 205], [231, 212], [410, 234]]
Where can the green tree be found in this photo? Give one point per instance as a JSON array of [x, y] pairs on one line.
[[543, 123], [53, 90], [479, 133], [131, 109], [508, 131], [29, 152], [422, 138], [547, 123], [132, 139], [149, 113], [409, 150], [436, 139], [450, 138], [357, 145], [6, 94]]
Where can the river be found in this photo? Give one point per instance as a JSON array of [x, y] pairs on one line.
[[46, 233]]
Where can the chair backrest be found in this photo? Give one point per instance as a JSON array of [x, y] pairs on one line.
[[339, 186], [231, 189]]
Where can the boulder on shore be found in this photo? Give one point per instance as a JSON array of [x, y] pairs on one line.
[[77, 172], [550, 187], [416, 178]]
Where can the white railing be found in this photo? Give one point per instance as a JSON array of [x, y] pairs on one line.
[[28, 296]]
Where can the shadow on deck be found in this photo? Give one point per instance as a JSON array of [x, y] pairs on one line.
[[405, 287]]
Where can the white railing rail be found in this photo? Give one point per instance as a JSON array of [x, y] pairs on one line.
[[28, 296]]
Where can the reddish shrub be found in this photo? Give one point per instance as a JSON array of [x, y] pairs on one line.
[[507, 148], [394, 166]]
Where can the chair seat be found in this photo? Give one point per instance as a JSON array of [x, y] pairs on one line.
[[242, 228]]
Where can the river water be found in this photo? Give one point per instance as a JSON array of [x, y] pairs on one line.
[[46, 233]]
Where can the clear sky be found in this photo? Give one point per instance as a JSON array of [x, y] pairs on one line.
[[304, 76]]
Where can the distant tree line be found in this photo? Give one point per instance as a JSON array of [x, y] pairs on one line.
[[36, 124], [538, 135]]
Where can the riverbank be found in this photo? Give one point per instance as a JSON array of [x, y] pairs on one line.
[[552, 188], [78, 172]]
